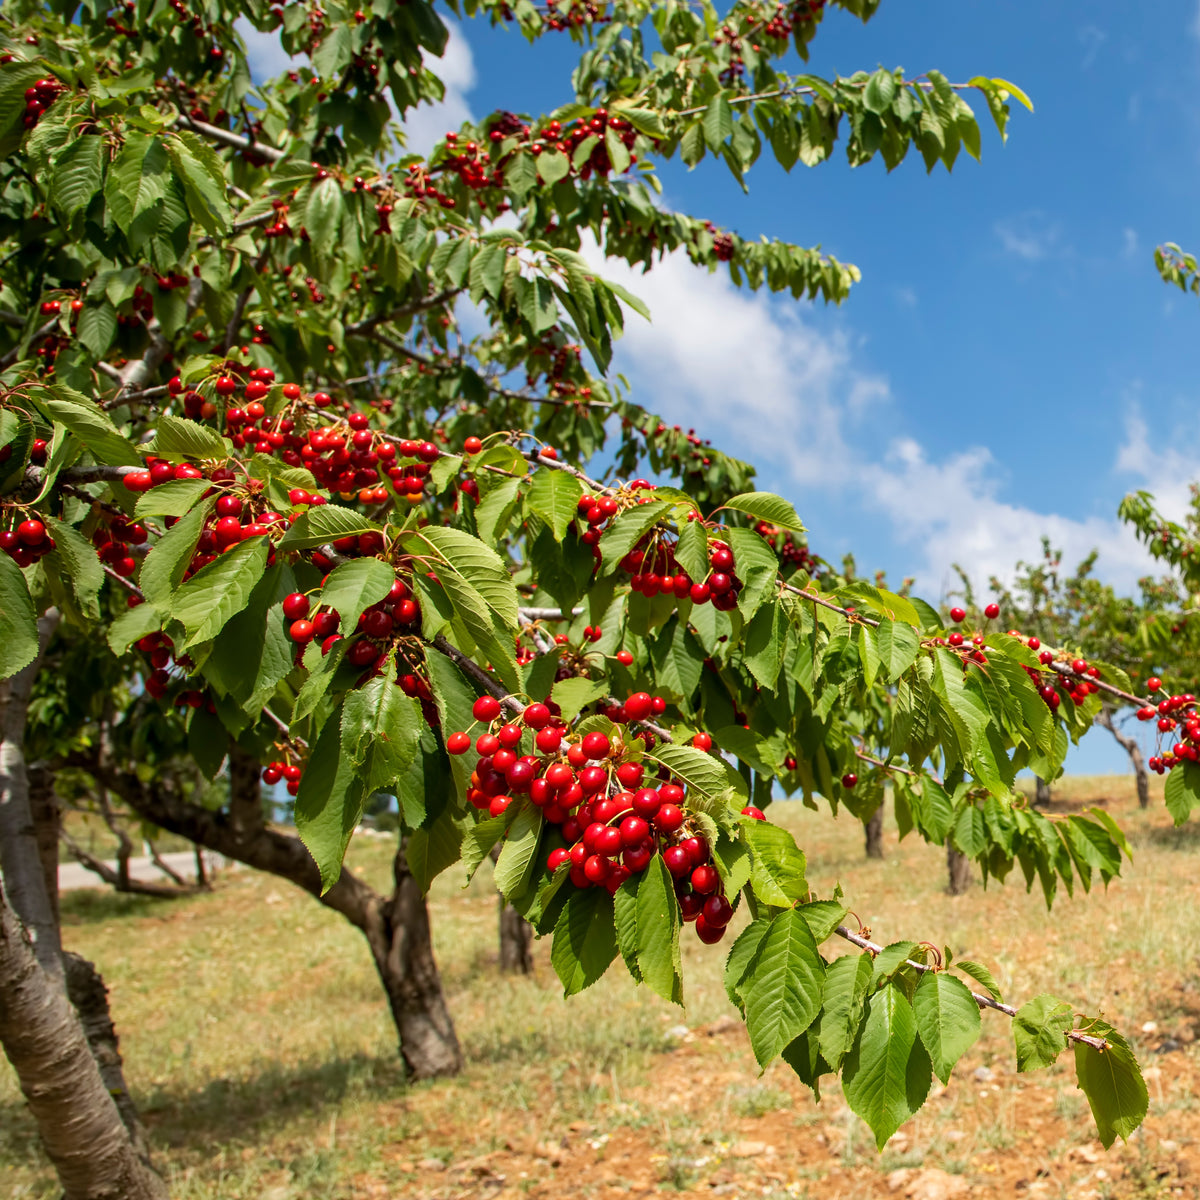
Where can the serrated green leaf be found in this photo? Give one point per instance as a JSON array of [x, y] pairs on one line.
[[784, 989], [18, 621], [766, 506], [1040, 1031], [947, 1020], [846, 982], [981, 975], [78, 556], [585, 940], [163, 568], [210, 597], [886, 1076], [777, 864], [658, 924], [177, 439], [171, 499], [514, 867], [554, 496], [354, 586], [1112, 1081]]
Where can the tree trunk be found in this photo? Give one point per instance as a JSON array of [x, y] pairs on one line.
[[1133, 749], [516, 939], [47, 820], [90, 997], [396, 927], [80, 1125], [873, 829], [959, 869], [399, 936], [20, 857], [1041, 793]]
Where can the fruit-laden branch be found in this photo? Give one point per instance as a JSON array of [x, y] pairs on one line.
[[873, 948]]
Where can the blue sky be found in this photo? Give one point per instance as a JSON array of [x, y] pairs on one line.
[[1011, 364]]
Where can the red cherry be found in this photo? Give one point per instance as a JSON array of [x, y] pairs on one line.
[[1079, 666], [668, 818], [630, 774], [537, 716], [296, 606], [647, 802], [596, 745], [849, 780], [458, 743], [486, 708], [708, 934], [696, 849], [705, 879], [509, 735], [958, 614], [472, 445], [717, 911], [702, 741], [992, 611], [756, 813], [31, 532], [638, 706], [676, 860], [549, 739], [487, 744], [301, 632], [596, 869], [557, 858], [624, 658]]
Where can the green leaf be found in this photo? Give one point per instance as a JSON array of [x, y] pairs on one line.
[[480, 565], [381, 731], [175, 438], [514, 867], [658, 923], [88, 422], [585, 939], [204, 186], [575, 693], [554, 496], [319, 678], [627, 527], [206, 601], [766, 506], [132, 624], [354, 586], [897, 645], [981, 975], [717, 122], [1112, 1082], [846, 981], [329, 804], [886, 1075], [765, 644], [163, 568], [553, 165], [78, 174], [1040, 1031], [323, 215], [430, 851], [325, 524], [823, 917], [879, 92], [691, 550], [171, 499], [626, 923], [947, 1020], [783, 993], [84, 571], [777, 864], [707, 774], [18, 621], [1182, 793], [741, 958]]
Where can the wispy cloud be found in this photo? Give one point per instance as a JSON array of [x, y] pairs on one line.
[[1030, 236], [1091, 38]]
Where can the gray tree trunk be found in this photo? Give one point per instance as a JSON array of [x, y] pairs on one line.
[[79, 1121], [1041, 793], [516, 941], [1130, 746], [873, 830], [959, 869], [20, 855]]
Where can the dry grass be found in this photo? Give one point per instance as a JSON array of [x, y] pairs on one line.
[[259, 1044]]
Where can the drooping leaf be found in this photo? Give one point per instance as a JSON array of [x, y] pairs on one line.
[[585, 940], [18, 621], [783, 992], [947, 1020], [1112, 1081]]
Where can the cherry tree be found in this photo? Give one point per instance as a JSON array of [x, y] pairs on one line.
[[248, 450]]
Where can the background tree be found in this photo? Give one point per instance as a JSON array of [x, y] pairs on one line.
[[243, 432]]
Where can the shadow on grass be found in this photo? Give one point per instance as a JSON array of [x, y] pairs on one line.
[[246, 1110], [91, 906], [1167, 837]]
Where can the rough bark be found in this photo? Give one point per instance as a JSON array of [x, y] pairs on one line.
[[958, 868], [396, 927], [20, 859], [47, 820], [873, 831], [398, 933], [1041, 793], [1130, 746], [79, 1122], [516, 941], [90, 997]]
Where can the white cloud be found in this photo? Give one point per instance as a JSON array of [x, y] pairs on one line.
[[1030, 236], [1131, 243], [1092, 38], [764, 382], [425, 125]]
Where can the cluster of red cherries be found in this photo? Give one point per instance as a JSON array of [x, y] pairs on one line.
[[27, 543], [614, 818], [38, 98], [652, 569], [1178, 716], [792, 553], [397, 613], [113, 540], [284, 769]]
